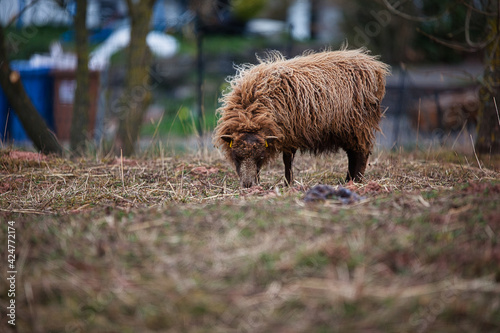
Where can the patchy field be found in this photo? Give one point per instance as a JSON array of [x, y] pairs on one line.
[[172, 245]]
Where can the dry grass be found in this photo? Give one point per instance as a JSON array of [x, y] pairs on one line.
[[171, 244]]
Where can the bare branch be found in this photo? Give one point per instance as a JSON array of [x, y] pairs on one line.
[[459, 46], [467, 28], [474, 9], [470, 46], [395, 11], [21, 12]]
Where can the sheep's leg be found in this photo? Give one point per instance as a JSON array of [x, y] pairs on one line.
[[288, 160], [357, 165]]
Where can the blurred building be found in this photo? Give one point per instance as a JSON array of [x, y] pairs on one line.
[[38, 13], [100, 13]]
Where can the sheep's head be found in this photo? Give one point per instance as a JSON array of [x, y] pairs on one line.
[[249, 152]]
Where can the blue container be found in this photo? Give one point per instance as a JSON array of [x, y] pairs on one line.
[[4, 115], [39, 86]]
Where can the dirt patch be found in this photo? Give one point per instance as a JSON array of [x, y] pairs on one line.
[[26, 156], [370, 188], [11, 184], [487, 188], [204, 171], [124, 161]]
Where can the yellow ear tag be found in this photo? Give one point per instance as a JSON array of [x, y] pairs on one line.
[[266, 143], [231, 144]]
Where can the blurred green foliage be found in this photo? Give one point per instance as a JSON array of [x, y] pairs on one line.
[[23, 43], [449, 26], [246, 9], [370, 23]]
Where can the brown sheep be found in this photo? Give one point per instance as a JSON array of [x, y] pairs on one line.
[[316, 103]]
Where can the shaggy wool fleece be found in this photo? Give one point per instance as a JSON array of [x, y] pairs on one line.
[[317, 102]]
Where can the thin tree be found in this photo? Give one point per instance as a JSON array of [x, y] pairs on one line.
[[34, 125], [137, 94], [488, 131], [80, 119], [488, 126]]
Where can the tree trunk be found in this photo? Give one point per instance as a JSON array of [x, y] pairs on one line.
[[488, 128], [34, 125], [137, 93], [81, 106]]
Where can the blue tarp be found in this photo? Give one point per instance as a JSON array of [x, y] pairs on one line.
[[38, 84]]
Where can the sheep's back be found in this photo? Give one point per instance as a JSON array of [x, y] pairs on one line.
[[318, 102]]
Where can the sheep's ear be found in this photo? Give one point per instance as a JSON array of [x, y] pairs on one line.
[[228, 139], [270, 139]]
